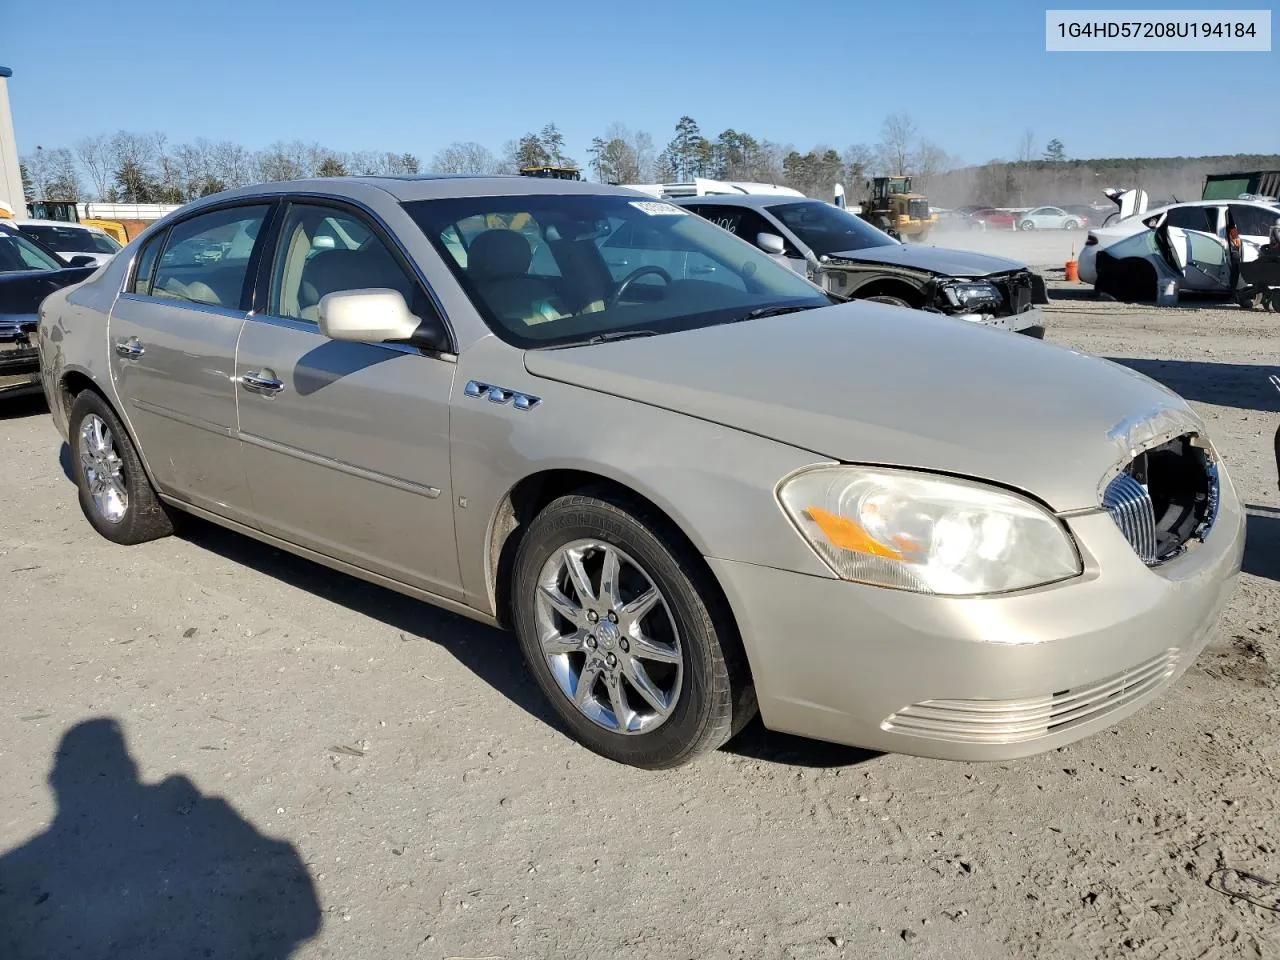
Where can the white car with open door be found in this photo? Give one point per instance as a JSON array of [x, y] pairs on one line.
[[1197, 261], [1251, 217]]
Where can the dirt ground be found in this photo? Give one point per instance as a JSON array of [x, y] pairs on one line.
[[389, 780]]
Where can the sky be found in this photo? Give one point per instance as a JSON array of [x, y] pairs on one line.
[[415, 76]]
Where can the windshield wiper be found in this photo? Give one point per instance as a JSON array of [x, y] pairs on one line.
[[609, 336], [775, 311]]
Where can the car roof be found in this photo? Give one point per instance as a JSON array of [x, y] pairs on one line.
[[425, 186], [26, 221], [755, 200]]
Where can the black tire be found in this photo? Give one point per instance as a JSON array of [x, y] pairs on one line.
[[716, 697], [885, 298], [144, 517], [1027, 225], [1071, 225]]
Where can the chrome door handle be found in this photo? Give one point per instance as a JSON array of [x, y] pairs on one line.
[[261, 383], [130, 349]]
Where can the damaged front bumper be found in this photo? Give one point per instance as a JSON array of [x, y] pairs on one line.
[[19, 357]]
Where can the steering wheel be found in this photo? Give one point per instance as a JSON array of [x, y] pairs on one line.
[[634, 275]]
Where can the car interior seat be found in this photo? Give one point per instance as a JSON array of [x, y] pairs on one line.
[[498, 264]]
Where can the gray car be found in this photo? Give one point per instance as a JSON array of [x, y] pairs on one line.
[[694, 488], [853, 259]]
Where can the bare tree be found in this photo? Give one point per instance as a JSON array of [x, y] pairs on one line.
[[280, 161], [897, 143], [38, 175], [94, 154], [859, 160], [231, 164], [465, 158], [930, 161], [1027, 146], [64, 175]]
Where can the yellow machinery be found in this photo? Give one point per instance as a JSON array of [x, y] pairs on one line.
[[896, 210]]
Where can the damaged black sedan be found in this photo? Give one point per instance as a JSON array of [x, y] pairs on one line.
[[29, 272], [850, 258]]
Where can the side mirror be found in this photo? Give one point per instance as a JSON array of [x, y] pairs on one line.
[[81, 260], [770, 243], [376, 315]]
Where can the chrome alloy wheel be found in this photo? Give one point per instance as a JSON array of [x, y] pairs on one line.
[[103, 469], [609, 637]]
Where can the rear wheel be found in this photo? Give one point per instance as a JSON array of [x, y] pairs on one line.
[[1071, 225], [1027, 225], [116, 495], [626, 634]]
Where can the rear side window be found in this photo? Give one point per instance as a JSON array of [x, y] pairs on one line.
[[207, 257], [147, 264], [1194, 218]]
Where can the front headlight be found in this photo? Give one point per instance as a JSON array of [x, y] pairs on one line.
[[977, 296], [928, 534]]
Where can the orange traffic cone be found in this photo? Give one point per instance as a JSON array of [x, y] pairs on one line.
[[1073, 270]]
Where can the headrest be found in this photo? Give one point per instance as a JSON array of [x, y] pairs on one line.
[[495, 254]]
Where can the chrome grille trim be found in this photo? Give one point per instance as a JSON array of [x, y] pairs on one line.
[[1130, 507], [1017, 721]]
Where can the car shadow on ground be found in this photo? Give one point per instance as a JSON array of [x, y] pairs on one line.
[[755, 742], [1241, 385], [22, 406], [149, 871], [472, 644], [491, 654], [1262, 542]]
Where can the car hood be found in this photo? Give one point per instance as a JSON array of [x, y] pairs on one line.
[[940, 261], [872, 383]]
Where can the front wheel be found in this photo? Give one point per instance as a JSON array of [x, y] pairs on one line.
[[626, 635], [116, 495]]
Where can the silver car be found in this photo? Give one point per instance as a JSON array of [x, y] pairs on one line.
[[692, 492]]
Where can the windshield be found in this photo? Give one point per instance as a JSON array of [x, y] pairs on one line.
[[546, 270], [17, 254], [70, 239], [827, 229]]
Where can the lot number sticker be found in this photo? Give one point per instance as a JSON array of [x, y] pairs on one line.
[[656, 208]]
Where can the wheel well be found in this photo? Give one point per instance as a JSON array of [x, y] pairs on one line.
[[73, 384], [528, 498], [891, 288]]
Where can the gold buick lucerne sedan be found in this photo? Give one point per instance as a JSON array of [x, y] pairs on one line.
[[693, 483]]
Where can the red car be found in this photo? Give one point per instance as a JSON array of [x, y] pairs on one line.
[[989, 218]]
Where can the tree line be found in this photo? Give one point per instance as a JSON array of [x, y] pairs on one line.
[[135, 167]]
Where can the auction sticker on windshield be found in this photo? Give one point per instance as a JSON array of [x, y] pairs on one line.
[[656, 208]]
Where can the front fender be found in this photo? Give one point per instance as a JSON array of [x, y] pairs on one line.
[[715, 483]]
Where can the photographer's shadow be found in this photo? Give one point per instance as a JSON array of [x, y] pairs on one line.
[[129, 869]]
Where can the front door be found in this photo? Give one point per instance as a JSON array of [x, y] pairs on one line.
[[346, 444], [172, 337], [1203, 260]]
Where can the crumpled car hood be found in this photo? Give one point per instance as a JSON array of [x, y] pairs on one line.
[[935, 260], [871, 383]]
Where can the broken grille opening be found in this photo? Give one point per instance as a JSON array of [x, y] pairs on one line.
[[1165, 498]]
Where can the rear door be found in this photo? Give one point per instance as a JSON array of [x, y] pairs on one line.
[[346, 445], [172, 334]]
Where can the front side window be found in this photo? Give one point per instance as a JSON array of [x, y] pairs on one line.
[[207, 257], [745, 223], [828, 230], [613, 265], [1254, 221], [18, 254], [326, 250]]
